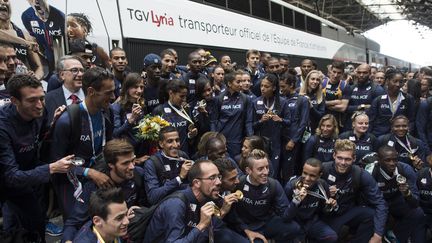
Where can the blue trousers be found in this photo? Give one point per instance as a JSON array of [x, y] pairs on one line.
[[318, 231], [360, 218], [280, 230], [23, 210], [409, 224]]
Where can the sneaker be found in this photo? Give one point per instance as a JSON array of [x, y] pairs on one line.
[[53, 229]]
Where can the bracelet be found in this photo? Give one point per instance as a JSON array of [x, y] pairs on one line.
[[85, 173]]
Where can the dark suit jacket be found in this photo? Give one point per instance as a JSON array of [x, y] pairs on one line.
[[53, 100]]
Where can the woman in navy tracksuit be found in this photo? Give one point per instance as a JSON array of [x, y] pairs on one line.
[[320, 145], [298, 106], [128, 111], [365, 141], [233, 114], [270, 117], [311, 88], [390, 105]]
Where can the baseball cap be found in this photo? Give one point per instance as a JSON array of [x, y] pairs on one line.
[[151, 59]]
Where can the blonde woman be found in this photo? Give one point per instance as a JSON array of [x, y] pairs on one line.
[[311, 88]]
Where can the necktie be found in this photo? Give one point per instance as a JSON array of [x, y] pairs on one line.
[[74, 98]]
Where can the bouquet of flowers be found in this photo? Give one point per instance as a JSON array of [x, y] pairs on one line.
[[149, 127]]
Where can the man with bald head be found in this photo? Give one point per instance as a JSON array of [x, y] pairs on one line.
[[362, 93]]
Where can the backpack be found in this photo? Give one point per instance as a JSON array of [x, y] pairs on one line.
[[75, 122], [138, 224]]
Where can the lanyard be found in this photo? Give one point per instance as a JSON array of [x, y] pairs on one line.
[[408, 149], [387, 176], [272, 105], [91, 129], [172, 158], [321, 194], [181, 113]]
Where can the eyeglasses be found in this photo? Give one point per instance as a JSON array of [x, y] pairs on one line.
[[212, 178], [75, 70]]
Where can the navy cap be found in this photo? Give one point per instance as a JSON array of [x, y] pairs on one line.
[[151, 59]]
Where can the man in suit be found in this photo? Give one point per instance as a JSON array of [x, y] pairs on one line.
[[71, 72]]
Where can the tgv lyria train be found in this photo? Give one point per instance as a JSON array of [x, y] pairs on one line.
[[221, 26]]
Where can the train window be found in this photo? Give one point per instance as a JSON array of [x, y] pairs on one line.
[[313, 25], [260, 8], [221, 3], [239, 5], [299, 21], [288, 17], [276, 12]]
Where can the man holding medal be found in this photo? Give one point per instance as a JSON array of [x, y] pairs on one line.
[[167, 170], [347, 183], [397, 182], [308, 196]]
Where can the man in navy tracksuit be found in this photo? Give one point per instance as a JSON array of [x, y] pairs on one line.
[[177, 114], [252, 60], [22, 127], [195, 66], [423, 124], [233, 114], [167, 170], [152, 92], [109, 218], [263, 212], [390, 105], [309, 197], [119, 156], [190, 215], [96, 129], [397, 182], [361, 94], [347, 182]]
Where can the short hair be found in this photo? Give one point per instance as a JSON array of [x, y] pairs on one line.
[[224, 165], [17, 82], [102, 198], [192, 54], [385, 149], [166, 52], [332, 119], [196, 172], [210, 143], [252, 51], [203, 141], [164, 130], [94, 77], [116, 49], [338, 65], [342, 145], [63, 59], [255, 154], [116, 147], [399, 117], [176, 85], [314, 163]]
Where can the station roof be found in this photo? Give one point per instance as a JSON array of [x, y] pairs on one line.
[[362, 15]]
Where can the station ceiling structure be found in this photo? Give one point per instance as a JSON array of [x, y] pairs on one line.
[[362, 15]]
